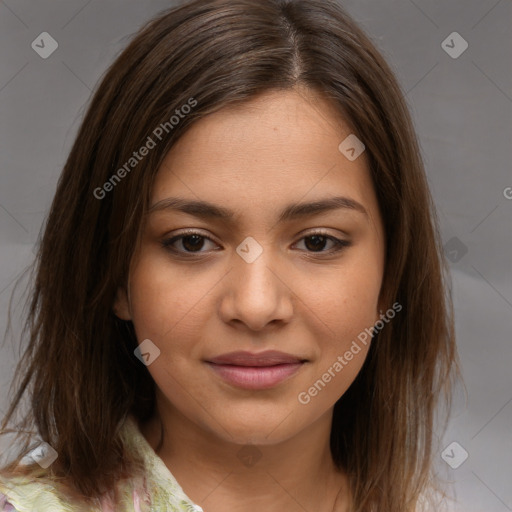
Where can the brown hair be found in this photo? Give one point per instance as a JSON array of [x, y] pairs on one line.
[[79, 364]]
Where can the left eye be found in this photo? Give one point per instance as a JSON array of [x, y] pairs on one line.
[[194, 242], [317, 242]]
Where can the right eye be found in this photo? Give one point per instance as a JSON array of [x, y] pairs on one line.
[[190, 241]]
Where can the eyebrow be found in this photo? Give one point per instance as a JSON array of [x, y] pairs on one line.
[[205, 210]]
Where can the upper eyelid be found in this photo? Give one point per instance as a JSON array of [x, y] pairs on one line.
[[192, 232]]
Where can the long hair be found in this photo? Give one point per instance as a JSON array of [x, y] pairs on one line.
[[79, 368]]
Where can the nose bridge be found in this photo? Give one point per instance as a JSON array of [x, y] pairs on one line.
[[255, 271], [257, 294]]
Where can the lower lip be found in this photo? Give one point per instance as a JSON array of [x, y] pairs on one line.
[[255, 377]]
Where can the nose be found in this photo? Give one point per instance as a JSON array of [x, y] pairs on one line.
[[257, 294]]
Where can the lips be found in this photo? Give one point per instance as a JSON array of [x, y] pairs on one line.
[[267, 358], [263, 370]]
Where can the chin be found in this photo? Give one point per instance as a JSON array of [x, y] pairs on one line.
[[257, 429]]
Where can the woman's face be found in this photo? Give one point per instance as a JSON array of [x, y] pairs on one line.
[[261, 271]]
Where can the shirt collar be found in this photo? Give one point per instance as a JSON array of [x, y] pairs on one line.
[[163, 487]]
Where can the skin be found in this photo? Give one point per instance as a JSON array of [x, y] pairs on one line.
[[298, 296]]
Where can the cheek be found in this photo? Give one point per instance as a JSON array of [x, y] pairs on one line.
[[167, 308], [345, 308], [166, 299], [346, 302]]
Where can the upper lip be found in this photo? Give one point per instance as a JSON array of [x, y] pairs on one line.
[[267, 358]]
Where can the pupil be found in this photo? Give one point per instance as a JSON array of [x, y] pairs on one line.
[[198, 245], [320, 242]]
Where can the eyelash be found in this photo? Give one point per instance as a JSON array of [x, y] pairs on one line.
[[339, 245]]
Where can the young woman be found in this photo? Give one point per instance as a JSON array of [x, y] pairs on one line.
[[240, 298]]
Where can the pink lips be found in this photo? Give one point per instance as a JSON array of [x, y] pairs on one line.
[[255, 371]]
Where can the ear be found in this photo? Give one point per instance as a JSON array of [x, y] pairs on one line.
[[380, 310], [121, 306]]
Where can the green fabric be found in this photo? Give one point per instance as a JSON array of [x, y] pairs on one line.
[[158, 491]]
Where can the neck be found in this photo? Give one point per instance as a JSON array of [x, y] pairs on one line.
[[296, 474]]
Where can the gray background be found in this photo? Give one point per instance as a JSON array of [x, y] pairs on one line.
[[462, 110]]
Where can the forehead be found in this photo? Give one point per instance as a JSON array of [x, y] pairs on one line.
[[277, 148]]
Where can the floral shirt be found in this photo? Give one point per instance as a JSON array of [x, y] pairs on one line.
[[157, 491]]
